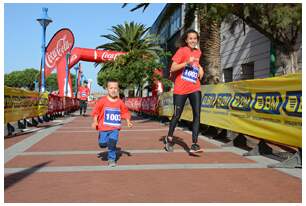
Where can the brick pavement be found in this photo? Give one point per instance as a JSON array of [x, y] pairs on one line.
[[63, 167]]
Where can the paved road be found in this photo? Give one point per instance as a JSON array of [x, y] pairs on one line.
[[60, 164]]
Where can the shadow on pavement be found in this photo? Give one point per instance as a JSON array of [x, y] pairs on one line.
[[179, 141], [32, 130], [14, 178], [19, 134], [141, 120], [120, 152]]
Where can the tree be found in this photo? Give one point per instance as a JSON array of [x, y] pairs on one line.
[[51, 82], [22, 79], [281, 24], [210, 22], [135, 68], [131, 36], [138, 6], [52, 85], [132, 70], [210, 18], [25, 79]]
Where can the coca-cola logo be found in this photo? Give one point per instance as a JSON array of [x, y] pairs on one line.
[[109, 55], [59, 45], [62, 46]]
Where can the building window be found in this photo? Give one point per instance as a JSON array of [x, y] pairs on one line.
[[228, 74], [164, 33], [247, 71], [175, 21]]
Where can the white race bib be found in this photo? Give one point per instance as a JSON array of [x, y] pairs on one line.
[[112, 117], [190, 74]]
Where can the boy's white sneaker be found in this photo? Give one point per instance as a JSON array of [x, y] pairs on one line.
[[111, 163]]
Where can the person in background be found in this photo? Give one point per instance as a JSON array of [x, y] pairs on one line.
[[83, 94]]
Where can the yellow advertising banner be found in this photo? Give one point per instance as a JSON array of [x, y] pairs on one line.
[[20, 104], [269, 108]]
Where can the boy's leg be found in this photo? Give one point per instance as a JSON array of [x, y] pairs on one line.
[[112, 142], [103, 139]]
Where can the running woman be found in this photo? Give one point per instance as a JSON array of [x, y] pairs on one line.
[[187, 73]]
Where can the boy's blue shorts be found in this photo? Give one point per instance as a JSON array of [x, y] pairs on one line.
[[105, 136]]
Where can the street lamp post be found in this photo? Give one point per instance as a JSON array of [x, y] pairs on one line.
[[67, 73], [76, 80], [44, 21]]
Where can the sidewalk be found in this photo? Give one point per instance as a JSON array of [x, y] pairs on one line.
[[60, 164]]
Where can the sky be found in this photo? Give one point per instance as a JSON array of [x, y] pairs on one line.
[[23, 34]]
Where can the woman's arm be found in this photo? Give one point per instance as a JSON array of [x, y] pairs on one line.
[[201, 72], [175, 66]]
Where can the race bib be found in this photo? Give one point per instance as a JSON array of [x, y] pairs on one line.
[[190, 74], [83, 94], [112, 117]]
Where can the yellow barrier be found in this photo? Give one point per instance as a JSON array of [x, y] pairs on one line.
[[268, 108], [21, 104]]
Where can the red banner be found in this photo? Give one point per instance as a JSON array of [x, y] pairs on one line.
[[147, 105], [61, 104], [60, 44]]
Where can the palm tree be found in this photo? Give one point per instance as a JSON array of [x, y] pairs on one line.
[[130, 37], [210, 24], [141, 46], [138, 6], [210, 18]]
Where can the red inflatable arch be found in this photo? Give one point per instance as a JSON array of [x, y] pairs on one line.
[[60, 44], [81, 54]]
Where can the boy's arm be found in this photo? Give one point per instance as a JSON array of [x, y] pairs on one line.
[[125, 114], [95, 122], [95, 113], [129, 123]]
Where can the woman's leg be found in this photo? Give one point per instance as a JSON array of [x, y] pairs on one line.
[[179, 103], [195, 102]]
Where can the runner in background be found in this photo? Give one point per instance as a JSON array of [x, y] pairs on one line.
[[83, 94], [186, 73]]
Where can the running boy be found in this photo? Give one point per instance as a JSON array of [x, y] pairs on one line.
[[107, 116]]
